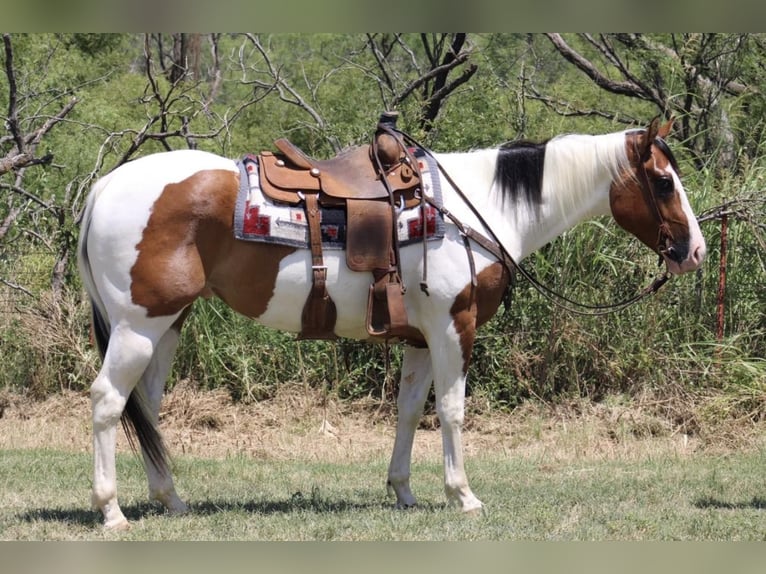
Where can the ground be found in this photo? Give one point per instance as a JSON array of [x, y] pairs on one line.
[[302, 423]]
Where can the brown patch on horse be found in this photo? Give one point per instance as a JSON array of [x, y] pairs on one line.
[[492, 283], [188, 250], [628, 201]]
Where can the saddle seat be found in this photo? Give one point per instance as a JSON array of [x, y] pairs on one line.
[[352, 174]]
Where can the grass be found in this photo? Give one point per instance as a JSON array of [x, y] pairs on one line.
[[44, 496]]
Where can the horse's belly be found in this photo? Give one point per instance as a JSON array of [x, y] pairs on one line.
[[347, 289], [448, 274]]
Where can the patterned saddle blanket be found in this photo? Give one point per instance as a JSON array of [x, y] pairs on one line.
[[258, 218]]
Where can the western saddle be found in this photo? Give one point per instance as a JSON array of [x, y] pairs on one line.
[[372, 182]]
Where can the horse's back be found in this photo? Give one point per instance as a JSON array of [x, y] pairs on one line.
[[154, 171]]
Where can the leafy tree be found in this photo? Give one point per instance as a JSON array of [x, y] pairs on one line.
[[705, 81]]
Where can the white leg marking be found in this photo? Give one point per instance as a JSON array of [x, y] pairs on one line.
[[414, 385], [449, 389], [126, 359]]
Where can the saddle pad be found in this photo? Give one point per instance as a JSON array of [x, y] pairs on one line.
[[258, 218]]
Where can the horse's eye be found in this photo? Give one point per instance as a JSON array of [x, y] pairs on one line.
[[664, 186]]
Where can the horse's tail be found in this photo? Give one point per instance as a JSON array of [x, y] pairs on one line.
[[135, 420]]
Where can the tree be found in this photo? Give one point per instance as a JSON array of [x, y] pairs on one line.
[[696, 78], [28, 121], [417, 71], [442, 55]]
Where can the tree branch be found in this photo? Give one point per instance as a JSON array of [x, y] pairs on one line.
[[459, 59], [584, 65], [566, 109], [13, 120], [288, 94]]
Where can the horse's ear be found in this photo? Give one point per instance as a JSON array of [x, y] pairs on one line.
[[665, 129], [647, 138]]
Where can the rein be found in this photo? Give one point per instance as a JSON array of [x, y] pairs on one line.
[[495, 247]]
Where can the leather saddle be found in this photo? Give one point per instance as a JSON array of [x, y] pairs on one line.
[[372, 182], [353, 174]]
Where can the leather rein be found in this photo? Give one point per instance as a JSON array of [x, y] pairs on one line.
[[496, 248]]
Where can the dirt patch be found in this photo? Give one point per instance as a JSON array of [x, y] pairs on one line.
[[302, 423]]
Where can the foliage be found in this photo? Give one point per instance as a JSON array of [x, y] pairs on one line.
[[233, 94]]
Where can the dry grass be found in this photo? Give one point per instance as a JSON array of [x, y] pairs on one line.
[[302, 423]]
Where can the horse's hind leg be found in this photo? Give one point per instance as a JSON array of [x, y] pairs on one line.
[[152, 386], [414, 385], [127, 357]]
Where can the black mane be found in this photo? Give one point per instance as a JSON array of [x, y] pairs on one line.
[[519, 171]]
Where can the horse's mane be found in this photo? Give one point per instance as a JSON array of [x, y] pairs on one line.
[[520, 166], [519, 171]]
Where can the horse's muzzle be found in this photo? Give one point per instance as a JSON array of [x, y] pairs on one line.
[[681, 259]]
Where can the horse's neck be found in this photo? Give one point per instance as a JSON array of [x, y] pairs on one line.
[[576, 178]]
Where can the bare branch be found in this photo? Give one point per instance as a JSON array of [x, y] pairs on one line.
[[171, 110], [25, 144], [9, 220], [13, 120], [16, 287], [380, 60], [655, 96], [36, 136], [566, 109], [407, 50], [436, 99], [623, 88], [26, 194], [217, 75], [443, 69], [287, 93]]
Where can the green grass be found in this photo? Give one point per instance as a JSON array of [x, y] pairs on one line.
[[44, 496]]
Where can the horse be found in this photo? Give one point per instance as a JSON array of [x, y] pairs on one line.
[[156, 234]]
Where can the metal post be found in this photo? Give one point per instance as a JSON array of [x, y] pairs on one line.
[[722, 279]]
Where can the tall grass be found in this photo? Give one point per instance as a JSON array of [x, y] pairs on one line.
[[666, 345], [663, 348]]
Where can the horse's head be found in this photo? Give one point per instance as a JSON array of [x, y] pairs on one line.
[[649, 201]]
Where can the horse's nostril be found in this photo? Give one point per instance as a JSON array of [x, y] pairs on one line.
[[671, 253], [675, 254]]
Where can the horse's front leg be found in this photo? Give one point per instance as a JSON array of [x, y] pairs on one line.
[[450, 362], [414, 385]]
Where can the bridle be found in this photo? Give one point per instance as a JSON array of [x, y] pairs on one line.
[[664, 234], [494, 246]]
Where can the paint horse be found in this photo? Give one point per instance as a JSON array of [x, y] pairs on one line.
[[157, 234]]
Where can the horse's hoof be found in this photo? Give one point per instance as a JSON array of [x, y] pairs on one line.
[[178, 509], [121, 525]]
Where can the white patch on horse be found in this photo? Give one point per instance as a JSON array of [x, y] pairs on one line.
[[697, 245]]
